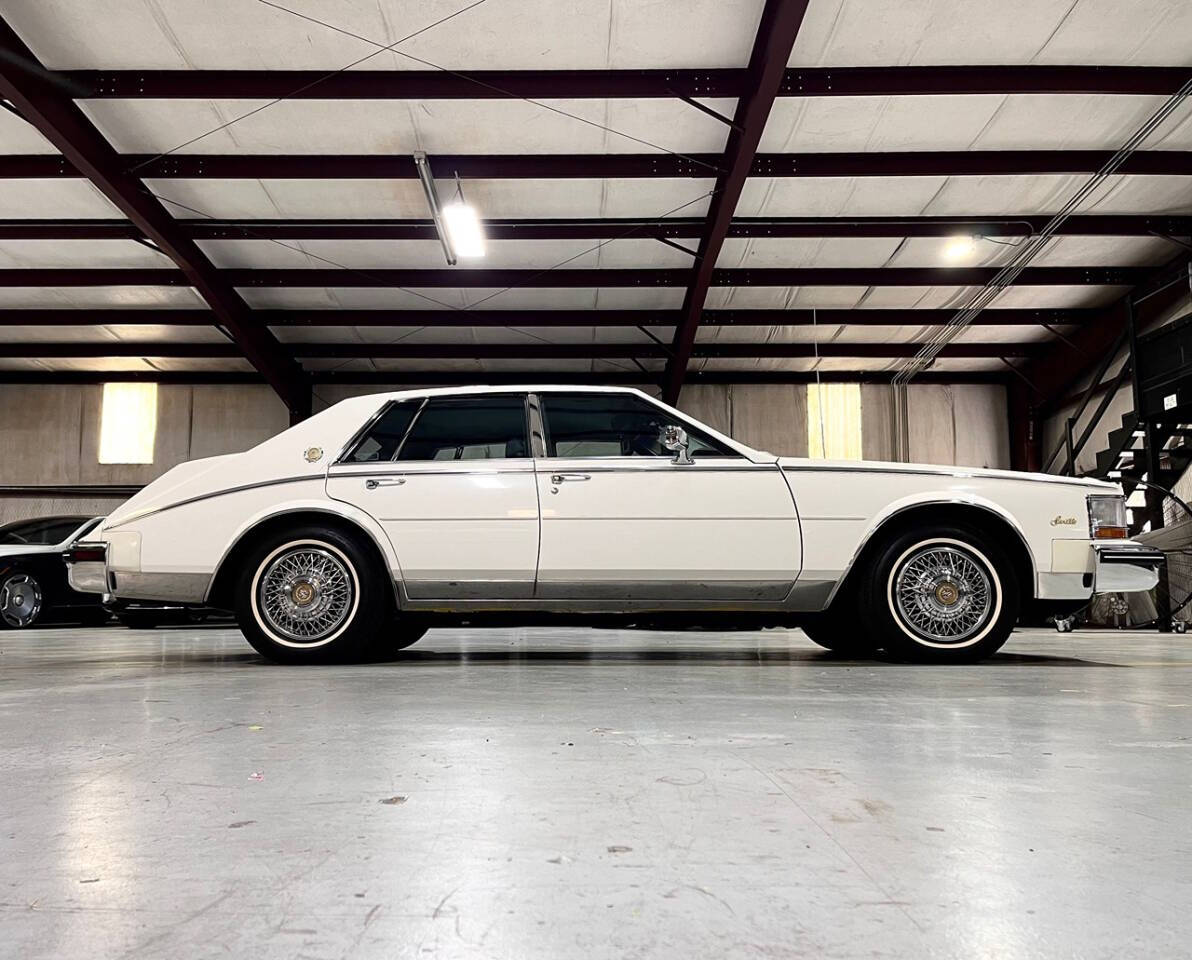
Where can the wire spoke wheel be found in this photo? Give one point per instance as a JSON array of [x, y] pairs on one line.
[[20, 600], [306, 594], [942, 593]]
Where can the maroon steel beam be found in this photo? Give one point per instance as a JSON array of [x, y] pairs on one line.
[[563, 277], [539, 318], [636, 84], [24, 83], [919, 163], [1117, 225], [430, 378], [772, 45], [531, 350]]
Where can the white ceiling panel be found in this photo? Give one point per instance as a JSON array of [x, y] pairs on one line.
[[824, 333], [529, 34], [400, 127], [837, 196], [99, 297], [382, 254], [641, 298], [98, 332], [1058, 297], [350, 298], [883, 32], [149, 333], [201, 365], [17, 136], [495, 199], [79, 253], [781, 298], [52, 199], [807, 252], [966, 122]]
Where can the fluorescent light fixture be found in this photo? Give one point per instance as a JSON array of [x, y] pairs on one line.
[[464, 229], [960, 248], [128, 423]]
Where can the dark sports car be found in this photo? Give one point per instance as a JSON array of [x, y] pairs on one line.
[[33, 586]]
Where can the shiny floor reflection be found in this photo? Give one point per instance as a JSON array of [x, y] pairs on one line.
[[554, 793]]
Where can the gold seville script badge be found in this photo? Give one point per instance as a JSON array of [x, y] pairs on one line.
[[314, 454], [1064, 522]]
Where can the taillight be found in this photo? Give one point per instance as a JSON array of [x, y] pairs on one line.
[[87, 553]]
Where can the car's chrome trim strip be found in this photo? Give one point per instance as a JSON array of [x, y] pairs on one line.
[[141, 514], [396, 470]]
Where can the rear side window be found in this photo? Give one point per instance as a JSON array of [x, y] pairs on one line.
[[469, 428], [381, 440]]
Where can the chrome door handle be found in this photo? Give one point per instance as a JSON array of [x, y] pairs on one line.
[[394, 482], [569, 477]]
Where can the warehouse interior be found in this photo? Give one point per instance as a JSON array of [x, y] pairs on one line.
[[910, 231]]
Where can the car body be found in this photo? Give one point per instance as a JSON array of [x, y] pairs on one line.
[[582, 504], [33, 580]]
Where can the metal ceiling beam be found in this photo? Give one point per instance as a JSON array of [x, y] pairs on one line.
[[1117, 225], [23, 81], [394, 380], [539, 318], [567, 277], [599, 166], [636, 84], [534, 350], [564, 277]]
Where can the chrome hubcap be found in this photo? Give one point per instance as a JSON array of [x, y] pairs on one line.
[[306, 594], [20, 600], [943, 594]]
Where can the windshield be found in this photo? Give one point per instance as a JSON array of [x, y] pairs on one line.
[[41, 532]]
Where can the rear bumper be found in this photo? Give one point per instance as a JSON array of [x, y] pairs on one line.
[[89, 570], [1126, 567], [87, 567]]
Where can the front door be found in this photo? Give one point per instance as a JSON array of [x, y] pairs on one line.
[[620, 520], [451, 481]]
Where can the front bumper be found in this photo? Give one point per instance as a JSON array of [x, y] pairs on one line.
[[1126, 567]]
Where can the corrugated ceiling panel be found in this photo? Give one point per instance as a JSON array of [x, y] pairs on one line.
[[79, 253], [99, 297], [53, 199]]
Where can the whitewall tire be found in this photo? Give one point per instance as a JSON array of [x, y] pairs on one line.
[[312, 594], [943, 595]]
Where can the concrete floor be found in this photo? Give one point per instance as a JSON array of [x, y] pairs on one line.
[[592, 794]]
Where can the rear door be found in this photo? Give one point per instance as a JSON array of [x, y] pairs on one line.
[[620, 520], [451, 481]]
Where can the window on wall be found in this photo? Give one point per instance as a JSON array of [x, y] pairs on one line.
[[128, 423], [834, 421]]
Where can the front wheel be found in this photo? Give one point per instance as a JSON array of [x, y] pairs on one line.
[[21, 601], [940, 595], [312, 594]]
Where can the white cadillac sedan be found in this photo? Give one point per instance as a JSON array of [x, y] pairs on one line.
[[358, 529]]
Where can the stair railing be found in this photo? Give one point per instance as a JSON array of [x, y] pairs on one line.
[[1067, 442]]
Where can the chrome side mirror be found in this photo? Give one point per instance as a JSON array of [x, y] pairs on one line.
[[675, 438]]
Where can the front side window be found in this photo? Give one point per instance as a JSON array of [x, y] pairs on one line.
[[469, 428], [615, 425], [381, 440]]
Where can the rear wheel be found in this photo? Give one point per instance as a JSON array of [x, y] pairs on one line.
[[312, 594], [940, 595], [21, 601]]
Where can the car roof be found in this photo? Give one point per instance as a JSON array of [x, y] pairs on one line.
[[502, 388]]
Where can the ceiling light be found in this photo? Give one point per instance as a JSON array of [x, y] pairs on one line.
[[465, 232], [460, 229], [959, 248]]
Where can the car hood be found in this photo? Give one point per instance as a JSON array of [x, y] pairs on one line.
[[875, 466]]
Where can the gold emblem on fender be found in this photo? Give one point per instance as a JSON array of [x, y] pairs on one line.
[[1064, 522], [314, 454]]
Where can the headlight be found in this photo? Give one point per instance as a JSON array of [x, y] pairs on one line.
[[1107, 517]]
